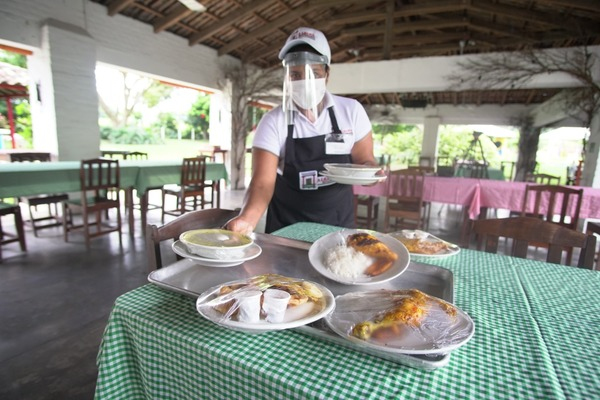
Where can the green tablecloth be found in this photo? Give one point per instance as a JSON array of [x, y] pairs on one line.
[[28, 179], [535, 338]]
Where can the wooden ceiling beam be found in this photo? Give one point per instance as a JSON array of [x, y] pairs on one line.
[[588, 5], [407, 27], [117, 6], [269, 27], [228, 20], [567, 23], [178, 13], [500, 30], [389, 24]]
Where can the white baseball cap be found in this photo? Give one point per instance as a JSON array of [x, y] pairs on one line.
[[312, 37]]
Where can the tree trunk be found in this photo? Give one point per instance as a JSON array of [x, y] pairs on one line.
[[239, 116], [528, 145]]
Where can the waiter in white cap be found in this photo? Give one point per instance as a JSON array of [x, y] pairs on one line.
[[293, 142]]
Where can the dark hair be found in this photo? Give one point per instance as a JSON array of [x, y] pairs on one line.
[[309, 49]]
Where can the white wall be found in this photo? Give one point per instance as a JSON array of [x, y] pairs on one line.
[[117, 40]]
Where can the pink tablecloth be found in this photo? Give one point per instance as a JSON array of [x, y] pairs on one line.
[[478, 193], [509, 196], [461, 191]]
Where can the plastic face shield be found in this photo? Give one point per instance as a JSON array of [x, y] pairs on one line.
[[303, 84]]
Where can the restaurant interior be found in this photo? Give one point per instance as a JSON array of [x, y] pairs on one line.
[[79, 317]]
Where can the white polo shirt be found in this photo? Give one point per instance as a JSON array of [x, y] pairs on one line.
[[351, 117]]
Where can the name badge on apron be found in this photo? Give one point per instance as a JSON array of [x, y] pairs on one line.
[[308, 180], [311, 180], [335, 144]]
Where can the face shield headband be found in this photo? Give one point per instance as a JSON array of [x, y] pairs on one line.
[[304, 83]]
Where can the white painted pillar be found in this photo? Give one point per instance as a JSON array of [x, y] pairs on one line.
[[65, 118], [430, 138], [591, 169]]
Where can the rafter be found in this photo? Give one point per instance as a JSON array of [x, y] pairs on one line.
[[179, 12]]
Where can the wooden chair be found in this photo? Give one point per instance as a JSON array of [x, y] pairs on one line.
[[542, 179], [473, 169], [142, 156], [100, 184], [421, 168], [371, 203], [508, 169], [404, 208], [563, 204], [193, 186], [6, 237], [593, 228], [51, 201], [198, 219], [529, 231]]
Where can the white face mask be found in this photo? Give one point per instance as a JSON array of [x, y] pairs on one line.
[[308, 97]]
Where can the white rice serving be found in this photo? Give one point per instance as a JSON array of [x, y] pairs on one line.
[[346, 262]]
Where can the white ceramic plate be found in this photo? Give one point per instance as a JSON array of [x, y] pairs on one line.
[[249, 253], [354, 170], [451, 250], [319, 249], [352, 180], [295, 316], [438, 332]]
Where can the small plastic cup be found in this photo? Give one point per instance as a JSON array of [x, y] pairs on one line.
[[249, 306], [275, 304]]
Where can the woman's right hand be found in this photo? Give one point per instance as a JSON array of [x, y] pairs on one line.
[[239, 224]]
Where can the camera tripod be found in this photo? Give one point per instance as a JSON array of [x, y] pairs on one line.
[[470, 163]]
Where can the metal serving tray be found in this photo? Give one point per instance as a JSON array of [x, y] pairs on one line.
[[290, 258]]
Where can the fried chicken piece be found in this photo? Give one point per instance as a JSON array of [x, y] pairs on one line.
[[372, 247], [409, 310]]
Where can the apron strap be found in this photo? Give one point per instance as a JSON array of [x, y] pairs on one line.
[[334, 124], [289, 147]]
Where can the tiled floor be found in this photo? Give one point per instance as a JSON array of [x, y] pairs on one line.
[[55, 300]]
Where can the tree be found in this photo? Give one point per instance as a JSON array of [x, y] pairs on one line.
[[198, 116], [513, 70], [248, 85], [132, 90]]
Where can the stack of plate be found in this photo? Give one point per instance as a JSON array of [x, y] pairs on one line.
[[353, 174]]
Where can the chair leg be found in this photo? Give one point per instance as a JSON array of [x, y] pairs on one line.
[[20, 230]]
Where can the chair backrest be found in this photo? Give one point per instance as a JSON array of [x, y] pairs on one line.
[[421, 168], [99, 175], [137, 155], [543, 179], [193, 171], [508, 169], [472, 169], [551, 202], [198, 219], [406, 184], [30, 157], [526, 231]]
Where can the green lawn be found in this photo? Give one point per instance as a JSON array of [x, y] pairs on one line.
[[171, 149]]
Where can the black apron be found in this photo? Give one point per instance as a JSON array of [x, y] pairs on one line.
[[332, 205]]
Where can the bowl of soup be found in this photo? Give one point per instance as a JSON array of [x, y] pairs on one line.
[[216, 243]]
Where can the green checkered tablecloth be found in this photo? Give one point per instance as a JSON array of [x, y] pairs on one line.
[[535, 338]]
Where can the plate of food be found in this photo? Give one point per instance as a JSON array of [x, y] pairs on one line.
[[353, 180], [405, 321], [248, 253], [423, 244], [265, 303], [359, 257]]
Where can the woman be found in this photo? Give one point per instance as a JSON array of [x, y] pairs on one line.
[[294, 141]]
